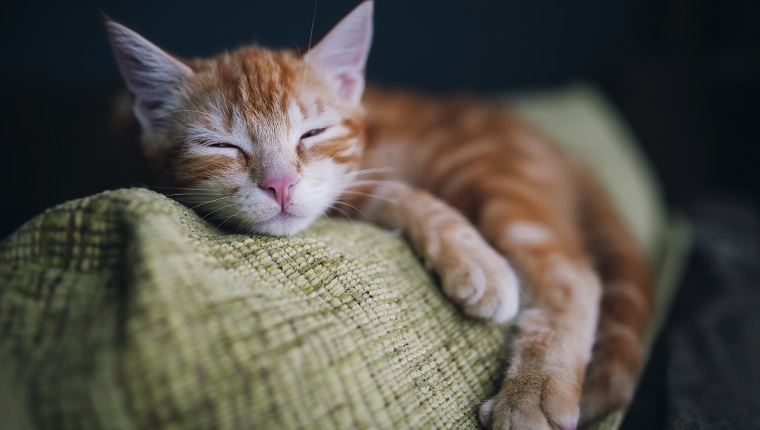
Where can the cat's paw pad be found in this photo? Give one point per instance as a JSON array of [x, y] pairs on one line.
[[530, 404], [483, 283]]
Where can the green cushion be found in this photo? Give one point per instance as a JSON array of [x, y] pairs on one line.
[[125, 310]]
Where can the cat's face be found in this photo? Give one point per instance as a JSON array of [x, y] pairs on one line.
[[259, 139]]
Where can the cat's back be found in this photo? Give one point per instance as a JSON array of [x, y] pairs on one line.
[[393, 111], [432, 140]]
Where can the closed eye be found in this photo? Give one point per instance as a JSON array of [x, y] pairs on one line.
[[222, 145], [312, 133], [225, 145]]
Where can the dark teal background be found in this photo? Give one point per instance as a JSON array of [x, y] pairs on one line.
[[685, 74]]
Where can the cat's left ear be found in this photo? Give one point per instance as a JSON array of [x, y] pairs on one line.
[[342, 52]]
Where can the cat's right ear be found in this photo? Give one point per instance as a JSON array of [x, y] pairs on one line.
[[342, 52], [152, 75]]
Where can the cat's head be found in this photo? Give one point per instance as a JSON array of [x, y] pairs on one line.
[[261, 139]]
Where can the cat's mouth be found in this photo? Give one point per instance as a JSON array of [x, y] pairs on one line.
[[284, 218]]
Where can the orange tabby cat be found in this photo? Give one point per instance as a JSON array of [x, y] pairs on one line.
[[268, 141]]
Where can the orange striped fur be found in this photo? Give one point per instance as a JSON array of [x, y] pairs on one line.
[[267, 141]]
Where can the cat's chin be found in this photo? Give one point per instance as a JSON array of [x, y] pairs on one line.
[[282, 225]]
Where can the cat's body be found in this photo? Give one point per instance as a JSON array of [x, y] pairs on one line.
[[539, 208], [267, 141]]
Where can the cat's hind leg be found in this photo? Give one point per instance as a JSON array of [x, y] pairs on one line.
[[556, 325], [625, 311]]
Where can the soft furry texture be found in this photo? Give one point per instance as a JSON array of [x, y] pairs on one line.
[[267, 141]]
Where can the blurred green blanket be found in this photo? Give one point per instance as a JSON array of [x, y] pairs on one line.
[[125, 310]]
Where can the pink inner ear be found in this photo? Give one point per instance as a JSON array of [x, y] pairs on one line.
[[342, 53], [348, 86]]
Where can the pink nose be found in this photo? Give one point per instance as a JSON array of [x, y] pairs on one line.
[[280, 188]]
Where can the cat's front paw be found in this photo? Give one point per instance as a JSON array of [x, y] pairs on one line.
[[482, 282], [532, 401]]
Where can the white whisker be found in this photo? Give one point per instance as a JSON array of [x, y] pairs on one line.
[[370, 196], [313, 18], [210, 201], [349, 205], [345, 214], [373, 170], [297, 48], [227, 219], [369, 182], [216, 210], [182, 188], [192, 194], [184, 110]]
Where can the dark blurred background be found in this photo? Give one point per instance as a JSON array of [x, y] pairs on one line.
[[685, 74]]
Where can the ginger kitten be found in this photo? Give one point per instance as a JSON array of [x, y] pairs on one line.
[[267, 141]]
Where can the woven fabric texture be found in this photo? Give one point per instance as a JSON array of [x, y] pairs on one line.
[[125, 310]]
